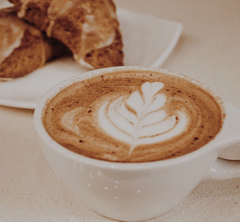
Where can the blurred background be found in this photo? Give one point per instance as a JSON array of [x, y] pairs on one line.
[[209, 48]]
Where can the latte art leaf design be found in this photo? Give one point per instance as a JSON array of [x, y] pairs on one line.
[[140, 118]]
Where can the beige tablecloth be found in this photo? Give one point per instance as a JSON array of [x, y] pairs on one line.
[[208, 50]]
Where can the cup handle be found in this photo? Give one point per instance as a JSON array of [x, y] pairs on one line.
[[223, 169], [226, 169]]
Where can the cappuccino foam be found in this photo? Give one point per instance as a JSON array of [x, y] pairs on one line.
[[133, 116]]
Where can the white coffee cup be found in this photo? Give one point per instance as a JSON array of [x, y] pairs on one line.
[[138, 191]]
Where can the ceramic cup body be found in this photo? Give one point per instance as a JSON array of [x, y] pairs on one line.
[[137, 191]]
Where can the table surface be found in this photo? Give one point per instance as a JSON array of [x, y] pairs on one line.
[[208, 50]]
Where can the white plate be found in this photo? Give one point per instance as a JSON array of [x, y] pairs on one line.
[[148, 41]]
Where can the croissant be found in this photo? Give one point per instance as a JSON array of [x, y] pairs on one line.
[[23, 48], [89, 28]]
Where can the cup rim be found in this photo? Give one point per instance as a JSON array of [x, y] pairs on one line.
[[47, 139]]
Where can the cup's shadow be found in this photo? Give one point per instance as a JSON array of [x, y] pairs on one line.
[[231, 153]]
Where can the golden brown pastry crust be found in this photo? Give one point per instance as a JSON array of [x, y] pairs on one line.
[[97, 48], [108, 56], [33, 51]]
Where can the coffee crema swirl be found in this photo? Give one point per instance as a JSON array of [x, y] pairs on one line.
[[133, 117], [139, 119]]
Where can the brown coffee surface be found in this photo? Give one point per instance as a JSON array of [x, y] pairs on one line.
[[133, 116]]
